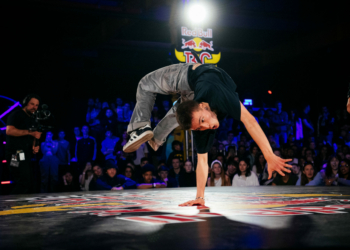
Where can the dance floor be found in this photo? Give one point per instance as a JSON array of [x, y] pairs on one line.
[[233, 218]]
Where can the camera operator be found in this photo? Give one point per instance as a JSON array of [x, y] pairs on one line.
[[20, 144]]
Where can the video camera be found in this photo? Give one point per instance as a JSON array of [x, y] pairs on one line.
[[42, 120]]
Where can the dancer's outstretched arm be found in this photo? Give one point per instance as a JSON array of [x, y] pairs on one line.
[[202, 176], [274, 163]]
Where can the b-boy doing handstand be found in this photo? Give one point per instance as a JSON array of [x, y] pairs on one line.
[[208, 94]]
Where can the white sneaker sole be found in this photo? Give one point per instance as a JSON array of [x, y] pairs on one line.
[[133, 146]]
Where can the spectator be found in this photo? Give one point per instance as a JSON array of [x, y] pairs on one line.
[[63, 153], [242, 153], [272, 141], [121, 142], [127, 112], [221, 149], [176, 170], [112, 181], [322, 157], [269, 116], [217, 176], [177, 152], [324, 124], [141, 152], [288, 179], [77, 136], [330, 173], [109, 120], [344, 177], [254, 149], [129, 172], [144, 161], [188, 178], [86, 177], [280, 120], [308, 129], [108, 145], [212, 154], [309, 176], [85, 150], [244, 177], [49, 164], [231, 152], [232, 167], [164, 178], [91, 117], [164, 108], [292, 121], [220, 157], [155, 116], [259, 165], [230, 141], [68, 184], [148, 181], [263, 122], [97, 173], [105, 105], [98, 104], [296, 168]]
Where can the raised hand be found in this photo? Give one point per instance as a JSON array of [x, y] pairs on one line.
[[275, 163]]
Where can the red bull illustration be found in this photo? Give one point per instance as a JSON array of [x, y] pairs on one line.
[[202, 47], [191, 44]]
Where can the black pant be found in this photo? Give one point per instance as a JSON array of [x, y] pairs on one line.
[[21, 175]]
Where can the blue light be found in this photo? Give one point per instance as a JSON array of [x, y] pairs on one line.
[[248, 102]]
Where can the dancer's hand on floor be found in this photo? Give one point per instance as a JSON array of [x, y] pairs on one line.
[[275, 163], [199, 202]]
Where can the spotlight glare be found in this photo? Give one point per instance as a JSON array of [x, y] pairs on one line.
[[197, 13], [270, 92]]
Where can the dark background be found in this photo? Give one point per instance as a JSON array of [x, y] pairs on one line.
[[70, 50]]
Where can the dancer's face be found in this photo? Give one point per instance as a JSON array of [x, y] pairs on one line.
[[204, 118]]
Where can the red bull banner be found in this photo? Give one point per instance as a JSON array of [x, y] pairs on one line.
[[199, 41]]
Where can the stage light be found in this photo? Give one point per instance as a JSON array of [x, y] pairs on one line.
[[3, 128], [6, 182], [270, 92], [197, 13], [9, 110], [4, 161], [248, 102]]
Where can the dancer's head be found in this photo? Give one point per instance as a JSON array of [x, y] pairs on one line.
[[196, 116]]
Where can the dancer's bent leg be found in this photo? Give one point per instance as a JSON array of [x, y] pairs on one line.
[[167, 80], [168, 123]]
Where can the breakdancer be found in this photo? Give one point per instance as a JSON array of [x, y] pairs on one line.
[[208, 94]]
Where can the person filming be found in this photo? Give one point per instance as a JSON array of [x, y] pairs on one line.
[[20, 144]]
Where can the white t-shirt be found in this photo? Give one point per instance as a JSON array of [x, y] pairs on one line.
[[243, 181], [140, 153]]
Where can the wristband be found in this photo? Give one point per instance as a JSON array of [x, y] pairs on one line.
[[200, 198]]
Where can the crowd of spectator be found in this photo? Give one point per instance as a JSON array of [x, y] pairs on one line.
[[94, 160]]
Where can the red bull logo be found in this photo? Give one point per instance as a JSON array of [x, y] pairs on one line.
[[203, 48], [197, 32]]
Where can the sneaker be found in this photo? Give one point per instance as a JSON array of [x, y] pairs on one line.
[[138, 137], [153, 144]]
